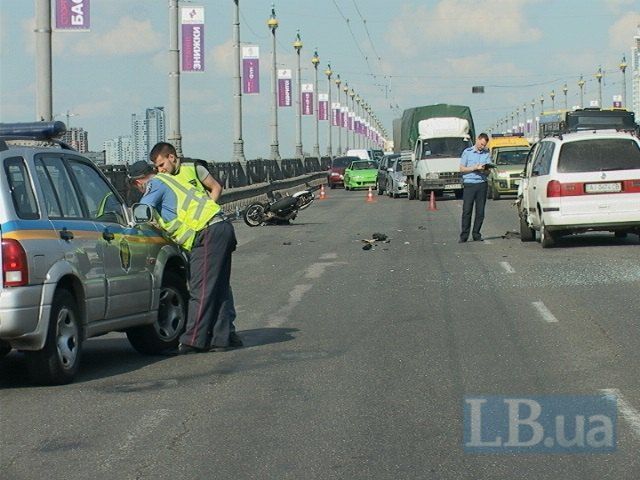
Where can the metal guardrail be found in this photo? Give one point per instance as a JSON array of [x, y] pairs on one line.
[[243, 182]]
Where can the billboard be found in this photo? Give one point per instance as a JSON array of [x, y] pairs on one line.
[[72, 15]]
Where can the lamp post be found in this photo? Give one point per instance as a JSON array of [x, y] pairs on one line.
[[352, 94], [328, 73], [517, 119], [524, 115], [553, 99], [565, 89], [272, 24], [581, 83], [297, 45], [623, 69], [345, 89], [315, 60], [356, 126], [238, 143], [338, 82], [541, 104], [175, 135], [44, 84], [599, 78], [533, 115]]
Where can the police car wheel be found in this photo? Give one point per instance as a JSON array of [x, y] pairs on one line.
[[57, 363], [164, 333]]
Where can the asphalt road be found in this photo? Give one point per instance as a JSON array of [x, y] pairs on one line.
[[357, 363]]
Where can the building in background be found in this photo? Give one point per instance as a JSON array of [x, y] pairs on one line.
[[77, 138], [146, 131], [119, 151], [635, 75], [96, 157]]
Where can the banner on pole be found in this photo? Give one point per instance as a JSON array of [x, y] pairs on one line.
[[323, 100], [344, 117], [335, 114], [192, 20], [351, 121], [284, 88], [73, 15], [617, 101], [251, 69], [307, 99]]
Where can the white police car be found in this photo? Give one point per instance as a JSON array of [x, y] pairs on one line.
[[74, 263]]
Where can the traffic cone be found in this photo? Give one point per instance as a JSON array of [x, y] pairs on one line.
[[323, 194], [370, 198], [432, 202]]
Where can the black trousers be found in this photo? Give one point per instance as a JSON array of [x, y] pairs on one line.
[[211, 310], [473, 193]]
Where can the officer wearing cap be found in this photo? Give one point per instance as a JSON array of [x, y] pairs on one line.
[[195, 222]]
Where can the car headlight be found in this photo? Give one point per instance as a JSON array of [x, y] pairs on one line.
[[433, 176], [335, 174], [341, 177]]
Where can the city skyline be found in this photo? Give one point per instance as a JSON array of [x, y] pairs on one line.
[[394, 56]]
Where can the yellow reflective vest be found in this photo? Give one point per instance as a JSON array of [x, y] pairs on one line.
[[194, 210]]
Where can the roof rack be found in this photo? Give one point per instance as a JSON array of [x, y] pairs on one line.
[[34, 131]]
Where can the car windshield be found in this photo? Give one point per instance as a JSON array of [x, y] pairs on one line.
[[363, 165], [512, 157], [599, 154], [342, 162], [444, 147]]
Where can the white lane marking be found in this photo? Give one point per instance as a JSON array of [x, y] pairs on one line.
[[282, 315], [544, 312], [328, 256], [630, 414], [149, 422], [316, 270], [507, 267]]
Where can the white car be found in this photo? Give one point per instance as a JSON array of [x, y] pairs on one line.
[[578, 182]]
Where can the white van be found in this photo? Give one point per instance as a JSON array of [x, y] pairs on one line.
[[360, 153]]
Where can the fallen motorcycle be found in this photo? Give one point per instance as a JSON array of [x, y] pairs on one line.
[[278, 209]]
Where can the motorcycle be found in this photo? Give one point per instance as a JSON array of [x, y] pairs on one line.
[[279, 208]]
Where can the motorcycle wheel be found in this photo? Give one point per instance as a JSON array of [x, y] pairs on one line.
[[305, 201], [254, 215]]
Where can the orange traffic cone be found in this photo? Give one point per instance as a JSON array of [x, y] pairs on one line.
[[370, 198], [323, 194], [432, 202]]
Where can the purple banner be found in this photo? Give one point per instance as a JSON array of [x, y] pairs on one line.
[[344, 117], [192, 39], [323, 100], [284, 88], [306, 99], [335, 114], [350, 121], [250, 70], [72, 15]]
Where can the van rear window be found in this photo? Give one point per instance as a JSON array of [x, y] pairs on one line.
[[597, 155]]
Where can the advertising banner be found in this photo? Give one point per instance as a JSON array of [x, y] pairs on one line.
[[284, 88], [306, 100], [192, 20], [344, 117], [351, 121], [617, 101], [72, 15], [323, 100], [335, 114], [251, 69]]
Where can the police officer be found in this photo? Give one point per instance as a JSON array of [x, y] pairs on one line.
[[474, 179], [195, 222], [166, 160]]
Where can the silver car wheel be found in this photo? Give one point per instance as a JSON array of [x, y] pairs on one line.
[[67, 334], [171, 317]]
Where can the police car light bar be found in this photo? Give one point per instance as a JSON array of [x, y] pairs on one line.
[[33, 130]]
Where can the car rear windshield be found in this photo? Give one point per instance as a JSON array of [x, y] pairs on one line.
[[342, 162], [364, 166], [599, 154], [512, 157]]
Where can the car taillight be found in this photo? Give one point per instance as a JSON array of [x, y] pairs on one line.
[[631, 186], [557, 189], [14, 264], [553, 189]]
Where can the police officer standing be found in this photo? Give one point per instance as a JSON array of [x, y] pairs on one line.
[[195, 222], [474, 179]]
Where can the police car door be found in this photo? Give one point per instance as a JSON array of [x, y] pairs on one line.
[[124, 249]]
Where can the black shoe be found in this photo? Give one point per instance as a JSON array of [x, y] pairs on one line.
[[462, 240], [235, 340], [478, 239]]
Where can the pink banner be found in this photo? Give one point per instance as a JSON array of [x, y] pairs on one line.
[[335, 114], [72, 15], [192, 39], [323, 107], [306, 99], [250, 70], [344, 117], [284, 88]]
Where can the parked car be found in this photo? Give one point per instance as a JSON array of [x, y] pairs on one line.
[[74, 263], [505, 178], [361, 173], [396, 184], [383, 166], [578, 182], [335, 175]]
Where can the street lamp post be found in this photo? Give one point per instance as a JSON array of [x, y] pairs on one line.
[[297, 45], [345, 89], [565, 89], [553, 99], [517, 119], [238, 143], [338, 82], [524, 116], [623, 69], [328, 73], [175, 136], [352, 94], [581, 83], [599, 78], [44, 96], [541, 104], [315, 60], [533, 117], [272, 24], [355, 127]]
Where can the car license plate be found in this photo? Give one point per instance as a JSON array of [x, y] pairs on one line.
[[603, 187], [452, 186]]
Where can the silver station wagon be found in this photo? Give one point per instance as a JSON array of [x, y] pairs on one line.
[[74, 263]]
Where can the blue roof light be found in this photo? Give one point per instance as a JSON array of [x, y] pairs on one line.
[[34, 130]]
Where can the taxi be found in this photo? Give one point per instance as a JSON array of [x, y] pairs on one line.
[[74, 263]]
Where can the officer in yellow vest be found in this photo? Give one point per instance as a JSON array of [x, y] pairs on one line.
[[194, 221], [166, 160]]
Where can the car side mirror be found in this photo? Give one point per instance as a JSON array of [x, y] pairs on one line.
[[142, 213]]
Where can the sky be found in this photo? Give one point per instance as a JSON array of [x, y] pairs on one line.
[[395, 54]]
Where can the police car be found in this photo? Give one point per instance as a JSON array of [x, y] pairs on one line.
[[74, 263]]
